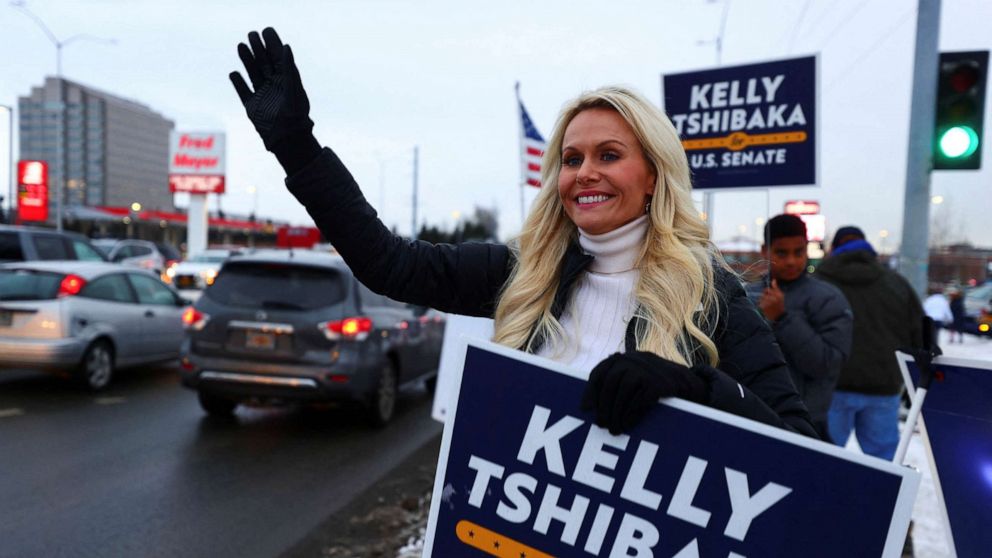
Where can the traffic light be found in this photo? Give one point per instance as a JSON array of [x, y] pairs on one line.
[[960, 110]]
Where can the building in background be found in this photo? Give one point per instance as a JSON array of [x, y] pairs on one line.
[[106, 151]]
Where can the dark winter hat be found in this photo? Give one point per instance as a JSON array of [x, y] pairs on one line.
[[845, 234], [782, 226]]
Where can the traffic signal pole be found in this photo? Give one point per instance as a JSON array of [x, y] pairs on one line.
[[914, 250]]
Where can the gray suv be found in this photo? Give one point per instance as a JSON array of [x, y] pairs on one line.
[[19, 244], [297, 326]]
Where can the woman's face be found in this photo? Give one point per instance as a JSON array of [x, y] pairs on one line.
[[605, 180]]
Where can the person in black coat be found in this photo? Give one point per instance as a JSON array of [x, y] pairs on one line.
[[958, 324], [613, 271]]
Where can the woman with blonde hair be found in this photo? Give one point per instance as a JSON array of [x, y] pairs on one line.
[[613, 271]]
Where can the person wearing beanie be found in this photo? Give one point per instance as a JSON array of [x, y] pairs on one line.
[[888, 316], [811, 319]]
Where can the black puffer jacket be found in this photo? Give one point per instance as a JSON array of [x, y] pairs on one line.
[[752, 380], [815, 335], [888, 316]]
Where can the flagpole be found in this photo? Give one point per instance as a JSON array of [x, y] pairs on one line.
[[523, 163]]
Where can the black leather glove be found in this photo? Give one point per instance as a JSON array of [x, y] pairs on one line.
[[624, 386], [278, 107]]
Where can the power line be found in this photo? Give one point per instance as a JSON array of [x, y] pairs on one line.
[[799, 24], [881, 39], [845, 21]]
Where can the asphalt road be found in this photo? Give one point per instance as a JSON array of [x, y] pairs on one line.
[[140, 471]]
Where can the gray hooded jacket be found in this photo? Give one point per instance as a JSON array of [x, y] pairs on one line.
[[815, 335]]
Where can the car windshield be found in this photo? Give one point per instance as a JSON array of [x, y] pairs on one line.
[[168, 251], [277, 286], [979, 295], [25, 284], [106, 245]]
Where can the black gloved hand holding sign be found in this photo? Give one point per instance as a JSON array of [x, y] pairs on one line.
[[278, 106], [625, 386]]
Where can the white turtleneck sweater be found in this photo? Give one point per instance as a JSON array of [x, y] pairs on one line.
[[595, 319]]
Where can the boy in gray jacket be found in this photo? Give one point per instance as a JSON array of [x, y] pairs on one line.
[[811, 318]]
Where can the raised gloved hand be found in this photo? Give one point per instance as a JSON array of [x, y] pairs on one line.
[[624, 386], [278, 107]]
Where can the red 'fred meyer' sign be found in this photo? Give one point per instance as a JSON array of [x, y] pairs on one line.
[[196, 162], [32, 190]]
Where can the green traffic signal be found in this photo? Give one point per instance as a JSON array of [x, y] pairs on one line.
[[958, 142], [960, 110]]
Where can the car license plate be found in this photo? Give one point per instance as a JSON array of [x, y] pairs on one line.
[[6, 318], [185, 282], [260, 341]]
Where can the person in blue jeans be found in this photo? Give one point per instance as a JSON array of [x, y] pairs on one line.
[[888, 316]]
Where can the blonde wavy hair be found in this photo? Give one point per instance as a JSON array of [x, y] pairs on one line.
[[677, 301]]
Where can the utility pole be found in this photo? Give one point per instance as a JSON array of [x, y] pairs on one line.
[[707, 195], [413, 223], [914, 250]]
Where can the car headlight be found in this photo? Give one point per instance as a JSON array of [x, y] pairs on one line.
[[209, 276]]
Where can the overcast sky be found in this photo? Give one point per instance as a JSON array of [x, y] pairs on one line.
[[384, 76]]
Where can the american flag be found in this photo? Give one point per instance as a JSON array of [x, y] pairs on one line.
[[531, 147]]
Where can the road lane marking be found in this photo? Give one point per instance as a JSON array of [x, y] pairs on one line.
[[12, 412], [109, 400]]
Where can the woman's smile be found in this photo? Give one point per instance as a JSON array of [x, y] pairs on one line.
[[605, 180]]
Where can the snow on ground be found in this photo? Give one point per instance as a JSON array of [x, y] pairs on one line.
[[929, 534]]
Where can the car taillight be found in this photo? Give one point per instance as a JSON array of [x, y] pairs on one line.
[[194, 319], [356, 328], [71, 285]]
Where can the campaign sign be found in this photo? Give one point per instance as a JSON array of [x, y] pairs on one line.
[[747, 126], [449, 367], [956, 425], [524, 473]]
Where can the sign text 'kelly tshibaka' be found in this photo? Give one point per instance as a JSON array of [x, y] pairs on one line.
[[523, 473], [748, 126]]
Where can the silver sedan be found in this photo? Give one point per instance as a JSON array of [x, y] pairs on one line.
[[86, 319]]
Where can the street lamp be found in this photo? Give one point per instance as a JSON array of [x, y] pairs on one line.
[[10, 162], [59, 44], [882, 235], [21, 5]]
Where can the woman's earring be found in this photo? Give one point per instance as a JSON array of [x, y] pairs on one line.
[[647, 206]]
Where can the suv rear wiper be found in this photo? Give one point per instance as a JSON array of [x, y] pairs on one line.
[[281, 305]]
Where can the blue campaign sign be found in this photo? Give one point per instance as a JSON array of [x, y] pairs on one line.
[[523, 473], [957, 432], [747, 126]]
